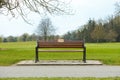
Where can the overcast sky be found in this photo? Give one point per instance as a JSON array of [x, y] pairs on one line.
[[83, 10]]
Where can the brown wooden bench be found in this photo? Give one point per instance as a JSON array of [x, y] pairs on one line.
[[65, 44]]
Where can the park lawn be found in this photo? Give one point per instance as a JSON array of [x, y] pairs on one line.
[[13, 52], [112, 78], [108, 53]]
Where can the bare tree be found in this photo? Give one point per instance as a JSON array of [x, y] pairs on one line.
[[45, 28], [24, 7]]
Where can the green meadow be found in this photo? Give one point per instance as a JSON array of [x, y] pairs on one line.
[[13, 52]]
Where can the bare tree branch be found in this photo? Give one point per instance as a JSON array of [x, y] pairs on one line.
[[23, 7]]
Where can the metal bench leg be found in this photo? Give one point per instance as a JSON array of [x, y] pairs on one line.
[[84, 55], [36, 55]]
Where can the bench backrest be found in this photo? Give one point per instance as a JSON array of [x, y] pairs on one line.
[[66, 44]]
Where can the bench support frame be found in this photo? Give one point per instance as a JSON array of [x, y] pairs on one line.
[[40, 46]]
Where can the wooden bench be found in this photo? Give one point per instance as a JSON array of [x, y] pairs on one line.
[[66, 44]]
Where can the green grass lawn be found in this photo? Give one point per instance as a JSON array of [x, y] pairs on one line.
[[10, 53]]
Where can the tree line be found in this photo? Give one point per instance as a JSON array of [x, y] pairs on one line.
[[27, 37], [107, 30], [93, 31], [97, 31], [24, 37], [45, 31]]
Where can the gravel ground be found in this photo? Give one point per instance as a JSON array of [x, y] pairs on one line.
[[60, 71]]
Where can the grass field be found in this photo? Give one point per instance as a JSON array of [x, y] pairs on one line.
[[10, 53], [115, 78]]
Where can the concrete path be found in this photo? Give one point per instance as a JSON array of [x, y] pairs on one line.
[[60, 71], [58, 63]]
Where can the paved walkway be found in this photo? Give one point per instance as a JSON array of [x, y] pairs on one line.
[[58, 63], [60, 71]]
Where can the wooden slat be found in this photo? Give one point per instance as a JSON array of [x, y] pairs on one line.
[[60, 50], [72, 44], [54, 46]]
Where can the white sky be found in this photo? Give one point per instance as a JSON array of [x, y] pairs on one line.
[[83, 11]]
